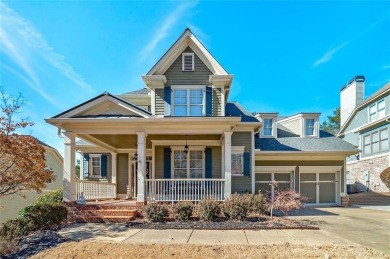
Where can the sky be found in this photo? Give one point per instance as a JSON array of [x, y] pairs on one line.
[[286, 56]]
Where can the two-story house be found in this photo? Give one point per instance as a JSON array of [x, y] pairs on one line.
[[365, 124], [180, 139]]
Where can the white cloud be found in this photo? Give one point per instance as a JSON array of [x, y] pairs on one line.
[[19, 39], [329, 54], [165, 27]]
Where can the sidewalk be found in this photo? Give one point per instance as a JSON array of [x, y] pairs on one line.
[[118, 233]]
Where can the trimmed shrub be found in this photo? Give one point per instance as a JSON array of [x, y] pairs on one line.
[[34, 217], [258, 203], [385, 177], [209, 209], [237, 206], [183, 210], [54, 197], [156, 212]]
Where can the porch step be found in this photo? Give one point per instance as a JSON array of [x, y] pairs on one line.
[[99, 213], [104, 212]]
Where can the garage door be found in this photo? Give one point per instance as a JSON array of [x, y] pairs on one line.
[[264, 182], [320, 188]]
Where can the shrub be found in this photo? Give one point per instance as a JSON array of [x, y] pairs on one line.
[[183, 210], [34, 217], [237, 206], [287, 200], [385, 177], [258, 203], [209, 209], [54, 197], [156, 212]]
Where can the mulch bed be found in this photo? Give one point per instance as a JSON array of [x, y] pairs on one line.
[[253, 223]]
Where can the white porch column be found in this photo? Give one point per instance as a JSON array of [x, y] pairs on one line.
[[141, 157], [228, 163], [69, 177], [81, 166], [130, 175], [113, 169]]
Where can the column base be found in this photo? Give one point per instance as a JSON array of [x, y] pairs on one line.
[[141, 198]]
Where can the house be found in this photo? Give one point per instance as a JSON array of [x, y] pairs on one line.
[[365, 124], [14, 203], [180, 139]]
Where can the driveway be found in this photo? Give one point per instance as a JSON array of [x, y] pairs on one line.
[[368, 226]]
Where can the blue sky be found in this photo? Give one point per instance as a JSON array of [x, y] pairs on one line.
[[286, 56]]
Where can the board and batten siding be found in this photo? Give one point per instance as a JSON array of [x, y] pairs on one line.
[[122, 175], [159, 105], [242, 184], [176, 76], [294, 126]]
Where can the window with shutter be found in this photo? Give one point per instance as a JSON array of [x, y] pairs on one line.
[[188, 62]]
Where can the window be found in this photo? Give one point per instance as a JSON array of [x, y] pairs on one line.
[[309, 127], [377, 110], [267, 127], [188, 102], [95, 165], [188, 62], [237, 166], [188, 165], [376, 141]]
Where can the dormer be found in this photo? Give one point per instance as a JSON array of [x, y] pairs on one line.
[[270, 124], [304, 125]]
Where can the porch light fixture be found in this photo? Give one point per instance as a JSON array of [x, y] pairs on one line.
[[186, 147], [135, 157]]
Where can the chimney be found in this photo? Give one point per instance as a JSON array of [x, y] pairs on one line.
[[351, 96]]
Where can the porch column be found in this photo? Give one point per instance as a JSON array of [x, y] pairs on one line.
[[228, 163], [113, 169], [141, 157], [69, 176], [130, 179], [81, 166]]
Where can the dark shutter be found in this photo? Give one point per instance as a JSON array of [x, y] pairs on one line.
[[246, 164], [209, 159], [103, 165], [167, 101], [209, 95], [167, 163], [86, 165]]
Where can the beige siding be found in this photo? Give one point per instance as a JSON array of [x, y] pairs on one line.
[[216, 104], [242, 184], [159, 160], [122, 176], [200, 76], [294, 126], [159, 107]]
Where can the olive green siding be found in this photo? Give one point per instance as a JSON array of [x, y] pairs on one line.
[[159, 105], [122, 176], [216, 102], [242, 184], [200, 76], [216, 162], [159, 162]]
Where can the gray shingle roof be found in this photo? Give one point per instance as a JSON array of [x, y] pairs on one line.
[[326, 142], [142, 91], [234, 109]]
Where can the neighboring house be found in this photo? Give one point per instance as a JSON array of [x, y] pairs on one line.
[[365, 124], [14, 203], [180, 139]]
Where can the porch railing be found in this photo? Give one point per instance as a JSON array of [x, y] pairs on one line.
[[95, 190], [184, 189]]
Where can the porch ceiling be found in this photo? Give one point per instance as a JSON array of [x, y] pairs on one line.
[[121, 141]]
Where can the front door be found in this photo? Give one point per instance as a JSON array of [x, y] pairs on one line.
[[320, 188]]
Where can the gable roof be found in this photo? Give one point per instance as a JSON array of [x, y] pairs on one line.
[[185, 40], [99, 99], [382, 91], [234, 109], [142, 91], [287, 141]]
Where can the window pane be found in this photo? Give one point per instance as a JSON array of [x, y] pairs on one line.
[[384, 134], [180, 110], [196, 110], [381, 105], [367, 149], [367, 139], [375, 147], [237, 164], [309, 127], [179, 173], [267, 127], [384, 145], [267, 132], [196, 173], [375, 137], [381, 113], [196, 96], [96, 170], [372, 117], [309, 131], [373, 109]]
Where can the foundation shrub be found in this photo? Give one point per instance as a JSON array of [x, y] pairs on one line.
[[156, 212], [209, 209], [258, 203], [183, 210], [237, 206], [14, 228], [286, 201], [43, 216]]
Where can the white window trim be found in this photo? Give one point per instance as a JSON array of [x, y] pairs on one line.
[[188, 87], [379, 130], [239, 150], [183, 55], [274, 127], [193, 148], [376, 110], [90, 168], [316, 130]]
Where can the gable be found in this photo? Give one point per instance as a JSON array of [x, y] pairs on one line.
[[104, 105], [176, 76]]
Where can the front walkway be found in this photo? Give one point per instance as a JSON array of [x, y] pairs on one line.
[[121, 234]]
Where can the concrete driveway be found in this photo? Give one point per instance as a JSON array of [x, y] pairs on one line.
[[368, 226]]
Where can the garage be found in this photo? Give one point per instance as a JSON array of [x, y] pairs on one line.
[[269, 179]]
